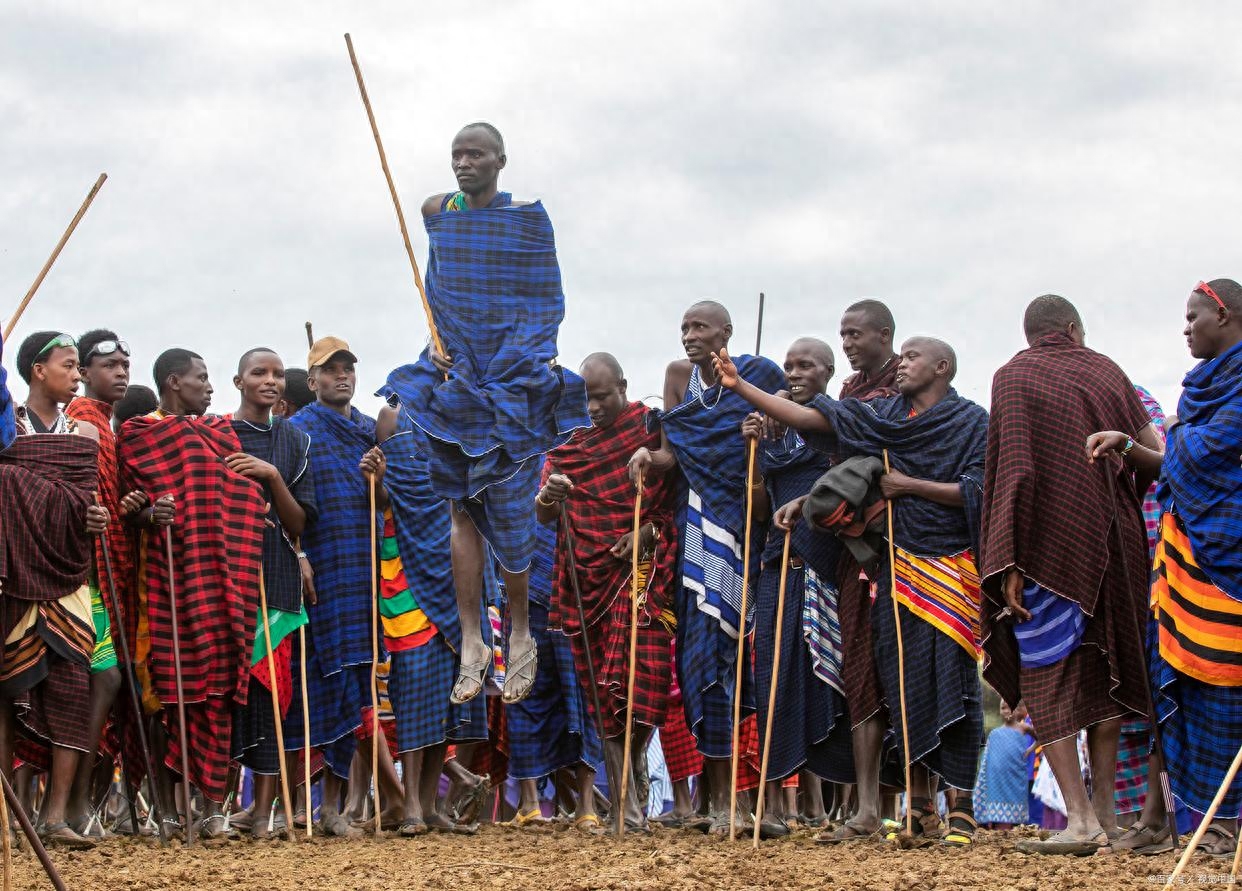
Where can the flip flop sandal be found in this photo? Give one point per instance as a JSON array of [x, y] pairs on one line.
[[532, 819], [338, 827], [474, 673], [223, 834], [588, 823], [1061, 847], [412, 828], [772, 829], [1218, 842], [697, 822], [517, 678], [844, 834], [62, 835], [670, 821], [814, 822], [961, 830], [470, 801], [1139, 836]]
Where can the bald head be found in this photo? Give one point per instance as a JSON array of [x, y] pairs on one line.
[[606, 388], [710, 308], [705, 329], [1051, 314], [490, 131], [936, 350], [602, 363], [815, 348]]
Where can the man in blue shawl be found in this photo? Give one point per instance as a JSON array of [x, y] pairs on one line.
[[1194, 645], [338, 544], [937, 442], [810, 702], [494, 401], [699, 437]]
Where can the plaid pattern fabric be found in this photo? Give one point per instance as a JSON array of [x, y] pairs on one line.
[[46, 485], [254, 731], [502, 514], [944, 712], [1201, 729], [681, 754], [1050, 513], [120, 545], [551, 728], [288, 449], [1130, 785], [336, 701], [858, 668], [423, 527], [1201, 479], [209, 727], [1076, 692], [821, 629], [1151, 504], [339, 542], [217, 547], [495, 289], [600, 510], [419, 687]]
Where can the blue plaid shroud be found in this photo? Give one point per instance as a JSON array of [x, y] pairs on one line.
[[495, 290], [1201, 479]]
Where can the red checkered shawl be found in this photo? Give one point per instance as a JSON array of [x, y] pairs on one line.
[[120, 547], [217, 547], [600, 510], [1046, 509], [46, 485]]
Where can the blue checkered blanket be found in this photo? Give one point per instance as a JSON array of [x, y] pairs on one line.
[[495, 290], [1201, 478]]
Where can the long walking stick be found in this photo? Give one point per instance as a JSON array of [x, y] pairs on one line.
[[306, 745], [776, 670], [741, 638], [310, 335], [629, 685], [396, 202], [586, 639], [181, 728], [375, 728], [7, 844], [901, 654], [1230, 775], [134, 702], [73, 224], [280, 732], [13, 806], [759, 327]]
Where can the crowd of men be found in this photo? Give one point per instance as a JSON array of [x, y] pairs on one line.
[[184, 592]]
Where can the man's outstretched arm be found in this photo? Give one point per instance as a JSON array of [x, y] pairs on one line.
[[800, 417]]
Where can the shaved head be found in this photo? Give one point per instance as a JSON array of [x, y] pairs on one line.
[[1049, 314], [816, 348], [936, 350], [719, 314], [602, 361], [250, 354], [875, 313], [491, 131]]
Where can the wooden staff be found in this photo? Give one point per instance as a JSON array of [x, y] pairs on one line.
[[586, 640], [1237, 860], [1230, 775], [310, 336], [776, 670], [73, 224], [7, 844], [375, 728], [901, 654], [759, 327], [306, 745], [134, 701], [287, 800], [396, 202], [629, 686], [12, 805], [181, 728], [741, 638]]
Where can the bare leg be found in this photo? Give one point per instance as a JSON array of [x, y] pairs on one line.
[[391, 791], [683, 801], [1102, 741], [1062, 756], [427, 781], [264, 795], [586, 792], [60, 781], [812, 789], [867, 738], [717, 771], [104, 687], [528, 796], [467, 550], [330, 818], [521, 673], [359, 786], [1154, 814]]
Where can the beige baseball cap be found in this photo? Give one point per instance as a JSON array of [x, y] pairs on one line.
[[325, 348]]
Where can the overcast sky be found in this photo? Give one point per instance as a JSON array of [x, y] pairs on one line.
[[953, 159]]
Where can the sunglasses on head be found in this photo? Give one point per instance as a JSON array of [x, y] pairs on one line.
[[60, 340], [105, 348], [1205, 288]]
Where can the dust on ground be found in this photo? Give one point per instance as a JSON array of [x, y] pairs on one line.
[[501, 859]]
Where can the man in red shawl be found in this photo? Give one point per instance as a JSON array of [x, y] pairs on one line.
[[1065, 569], [586, 482], [178, 452], [104, 359]]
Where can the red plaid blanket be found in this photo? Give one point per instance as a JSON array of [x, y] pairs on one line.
[[600, 510], [217, 549], [46, 485]]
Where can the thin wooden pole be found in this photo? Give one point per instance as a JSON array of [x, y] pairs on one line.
[[310, 336], [306, 744], [396, 202], [741, 638], [1237, 861], [287, 800], [135, 701], [776, 670], [73, 224], [13, 806], [1230, 775], [629, 685], [7, 844], [759, 327], [181, 728], [375, 728], [901, 654]]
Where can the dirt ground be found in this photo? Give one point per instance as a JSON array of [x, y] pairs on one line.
[[499, 859]]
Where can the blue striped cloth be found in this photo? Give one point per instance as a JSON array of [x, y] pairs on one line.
[[8, 420], [494, 284], [821, 629], [1054, 630], [1201, 479]]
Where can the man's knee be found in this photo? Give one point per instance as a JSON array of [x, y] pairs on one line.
[[106, 684]]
